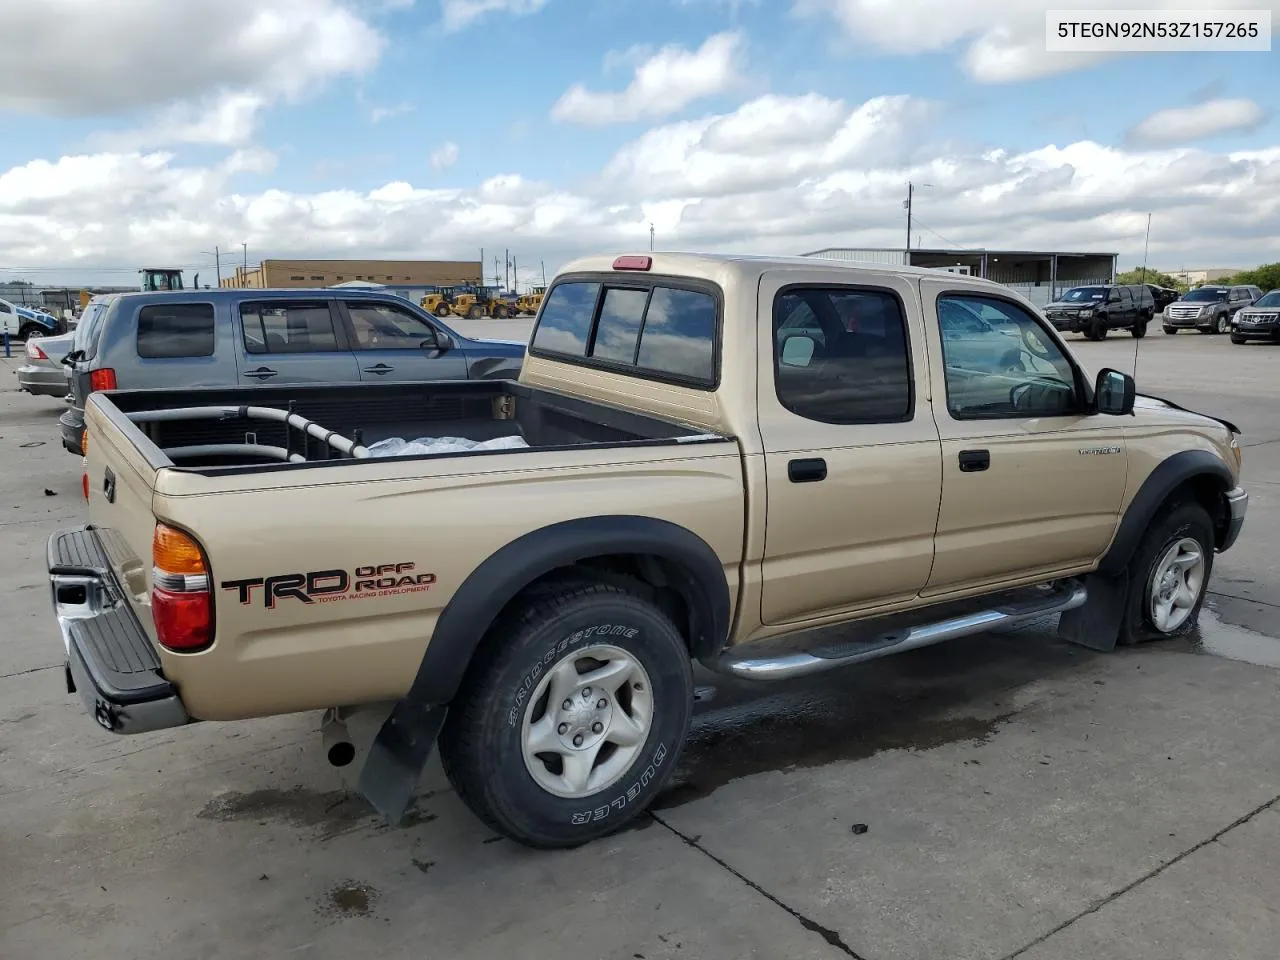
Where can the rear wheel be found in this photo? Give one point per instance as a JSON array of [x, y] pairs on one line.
[[572, 717], [1169, 574], [29, 331], [500, 312], [473, 312], [442, 309]]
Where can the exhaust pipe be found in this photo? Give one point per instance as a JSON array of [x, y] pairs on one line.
[[338, 748]]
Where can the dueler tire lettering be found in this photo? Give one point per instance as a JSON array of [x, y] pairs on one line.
[[481, 744]]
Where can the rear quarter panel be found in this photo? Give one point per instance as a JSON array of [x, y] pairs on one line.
[[435, 520], [118, 350]]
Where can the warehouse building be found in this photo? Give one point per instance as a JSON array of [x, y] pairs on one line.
[[1040, 276], [404, 277]]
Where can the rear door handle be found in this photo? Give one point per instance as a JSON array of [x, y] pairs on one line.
[[262, 373], [971, 461], [807, 471], [379, 369]]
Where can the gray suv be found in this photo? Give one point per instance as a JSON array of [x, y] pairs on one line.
[[241, 337], [1209, 309]]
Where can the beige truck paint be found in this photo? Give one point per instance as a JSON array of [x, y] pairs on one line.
[[898, 528]]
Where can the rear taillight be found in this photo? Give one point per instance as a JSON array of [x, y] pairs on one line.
[[102, 379], [181, 604], [34, 352]]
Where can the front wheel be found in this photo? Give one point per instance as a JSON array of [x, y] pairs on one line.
[[1237, 339], [1097, 330], [1170, 330], [1223, 325], [1139, 330], [442, 310], [572, 717], [1169, 574]]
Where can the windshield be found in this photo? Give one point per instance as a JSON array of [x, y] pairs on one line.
[[1084, 294], [1207, 295], [1272, 299]]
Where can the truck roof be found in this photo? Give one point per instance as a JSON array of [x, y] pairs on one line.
[[219, 294], [713, 266]]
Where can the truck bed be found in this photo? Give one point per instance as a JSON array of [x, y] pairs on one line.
[[328, 422]]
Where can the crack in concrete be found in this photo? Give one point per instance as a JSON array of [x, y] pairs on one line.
[[22, 673], [1149, 875], [1232, 596], [826, 933]]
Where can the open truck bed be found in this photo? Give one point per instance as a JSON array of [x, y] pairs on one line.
[[246, 429]]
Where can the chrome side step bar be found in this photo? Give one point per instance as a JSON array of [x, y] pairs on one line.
[[1067, 597]]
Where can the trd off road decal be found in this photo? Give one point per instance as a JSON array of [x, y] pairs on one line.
[[331, 586]]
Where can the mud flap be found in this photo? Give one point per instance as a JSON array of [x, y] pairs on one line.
[[398, 755], [1097, 623]]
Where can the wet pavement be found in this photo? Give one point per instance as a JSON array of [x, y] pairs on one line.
[[1005, 795]]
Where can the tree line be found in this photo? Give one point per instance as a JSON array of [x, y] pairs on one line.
[[1267, 277]]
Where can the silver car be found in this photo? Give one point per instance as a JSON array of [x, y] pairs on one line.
[[44, 374]]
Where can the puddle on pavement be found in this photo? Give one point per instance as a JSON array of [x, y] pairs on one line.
[[1221, 639], [335, 812], [961, 692]]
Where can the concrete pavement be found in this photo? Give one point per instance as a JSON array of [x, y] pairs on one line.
[[1020, 797]]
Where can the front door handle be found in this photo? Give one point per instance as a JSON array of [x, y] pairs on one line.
[[971, 461], [380, 368], [262, 373], [807, 471]]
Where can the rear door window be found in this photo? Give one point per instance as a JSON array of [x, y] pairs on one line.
[[288, 327], [172, 331]]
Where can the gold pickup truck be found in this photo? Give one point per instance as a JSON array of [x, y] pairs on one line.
[[769, 466]]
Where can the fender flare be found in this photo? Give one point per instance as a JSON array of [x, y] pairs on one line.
[[489, 588], [1151, 496]]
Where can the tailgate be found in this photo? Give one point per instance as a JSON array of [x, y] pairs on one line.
[[121, 482]]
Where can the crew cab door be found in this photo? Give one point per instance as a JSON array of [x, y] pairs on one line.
[[292, 341], [852, 457], [1032, 483], [393, 342]]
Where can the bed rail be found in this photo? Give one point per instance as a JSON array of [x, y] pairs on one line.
[[300, 428]]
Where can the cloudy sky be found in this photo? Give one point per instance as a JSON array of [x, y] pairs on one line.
[[151, 131]]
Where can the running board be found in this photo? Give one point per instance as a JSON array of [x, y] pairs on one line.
[[783, 667]]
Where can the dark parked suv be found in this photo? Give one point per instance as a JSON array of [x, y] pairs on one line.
[[1095, 310], [1259, 321], [243, 337], [1209, 309]]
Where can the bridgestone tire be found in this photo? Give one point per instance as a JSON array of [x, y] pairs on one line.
[[482, 743], [1173, 523]]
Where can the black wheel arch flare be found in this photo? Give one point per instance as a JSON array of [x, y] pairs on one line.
[[492, 585]]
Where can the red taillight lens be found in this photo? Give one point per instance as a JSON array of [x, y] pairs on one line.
[[633, 263], [182, 619], [102, 379], [181, 605], [84, 483], [34, 351]]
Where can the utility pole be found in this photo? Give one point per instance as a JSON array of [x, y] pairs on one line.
[[543, 264], [497, 277], [245, 248], [480, 282], [911, 190], [651, 238], [217, 259], [515, 276], [506, 254], [1146, 246]]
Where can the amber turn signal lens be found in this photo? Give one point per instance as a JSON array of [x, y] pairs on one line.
[[176, 552]]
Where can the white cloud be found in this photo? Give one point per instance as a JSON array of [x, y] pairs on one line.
[[723, 182], [1209, 118], [146, 53], [1004, 41], [226, 120], [378, 114], [459, 14], [444, 156], [665, 83]]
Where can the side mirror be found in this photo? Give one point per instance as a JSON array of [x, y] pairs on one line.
[[1114, 393], [436, 340], [797, 351]]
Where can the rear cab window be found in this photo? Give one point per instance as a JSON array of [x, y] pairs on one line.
[[172, 331], [656, 328]]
